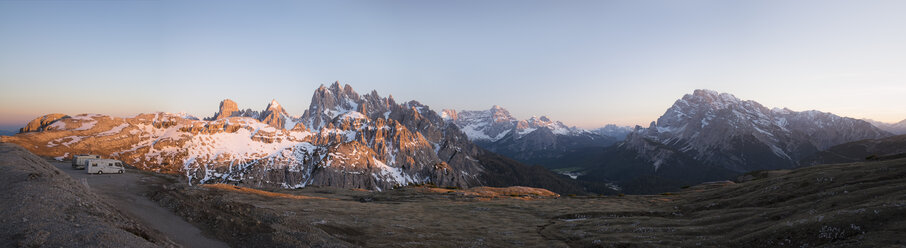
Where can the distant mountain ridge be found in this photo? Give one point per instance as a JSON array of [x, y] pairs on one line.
[[712, 135], [342, 140], [895, 128], [537, 140]]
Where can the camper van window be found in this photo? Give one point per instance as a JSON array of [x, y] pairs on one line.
[[94, 165]]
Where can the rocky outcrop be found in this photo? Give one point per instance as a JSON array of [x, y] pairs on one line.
[[227, 109], [40, 123], [275, 115]]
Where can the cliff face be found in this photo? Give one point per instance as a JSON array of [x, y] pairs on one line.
[[227, 108]]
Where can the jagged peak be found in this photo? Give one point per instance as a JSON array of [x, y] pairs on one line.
[[705, 92], [347, 88], [449, 114], [710, 98], [228, 102], [275, 107]]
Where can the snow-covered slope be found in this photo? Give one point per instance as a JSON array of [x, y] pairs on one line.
[[496, 123], [483, 125]]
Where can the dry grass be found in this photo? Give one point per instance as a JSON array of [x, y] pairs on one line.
[[517, 192], [260, 192]]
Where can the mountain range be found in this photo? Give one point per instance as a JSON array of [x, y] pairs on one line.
[[342, 140], [367, 141], [537, 140], [708, 135]]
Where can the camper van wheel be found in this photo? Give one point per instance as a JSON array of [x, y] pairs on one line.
[[100, 172], [121, 172]]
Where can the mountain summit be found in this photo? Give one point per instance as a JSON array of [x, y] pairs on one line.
[[708, 135]]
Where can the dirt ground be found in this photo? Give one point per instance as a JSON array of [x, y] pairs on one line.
[[41, 206], [128, 192], [842, 205], [845, 205]]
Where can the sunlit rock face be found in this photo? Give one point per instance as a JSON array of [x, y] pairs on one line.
[[40, 123]]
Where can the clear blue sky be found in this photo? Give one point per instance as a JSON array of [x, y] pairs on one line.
[[587, 63]]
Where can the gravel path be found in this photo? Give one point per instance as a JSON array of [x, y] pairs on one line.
[[128, 192]]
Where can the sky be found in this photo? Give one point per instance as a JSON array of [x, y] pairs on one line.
[[586, 63]]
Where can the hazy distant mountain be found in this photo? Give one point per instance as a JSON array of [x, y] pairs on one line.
[[342, 140], [708, 135], [537, 140], [611, 130], [895, 128]]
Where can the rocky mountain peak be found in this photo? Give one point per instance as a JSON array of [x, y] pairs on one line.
[[500, 114], [227, 108], [709, 99], [449, 115], [274, 105], [330, 102], [534, 123], [276, 116], [718, 128]]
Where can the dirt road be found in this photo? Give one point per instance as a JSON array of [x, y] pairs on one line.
[[128, 192]]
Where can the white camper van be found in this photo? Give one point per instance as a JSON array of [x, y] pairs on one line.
[[78, 161], [101, 166]]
